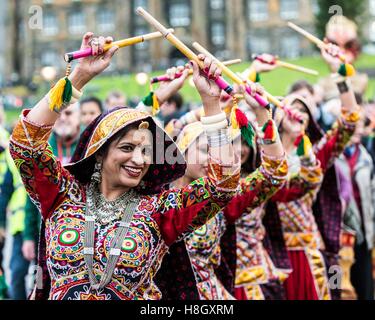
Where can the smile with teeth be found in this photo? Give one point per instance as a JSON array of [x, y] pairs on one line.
[[133, 172]]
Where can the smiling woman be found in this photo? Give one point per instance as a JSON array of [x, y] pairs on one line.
[[108, 217]]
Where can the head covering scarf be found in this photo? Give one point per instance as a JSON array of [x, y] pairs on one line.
[[165, 167]]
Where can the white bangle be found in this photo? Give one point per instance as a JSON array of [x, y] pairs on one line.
[[209, 128], [76, 93], [214, 119], [188, 118]]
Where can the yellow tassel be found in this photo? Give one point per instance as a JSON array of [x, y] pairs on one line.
[[56, 95], [233, 118], [307, 145], [350, 71], [155, 105]]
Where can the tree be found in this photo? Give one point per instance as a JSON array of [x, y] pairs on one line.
[[352, 9]]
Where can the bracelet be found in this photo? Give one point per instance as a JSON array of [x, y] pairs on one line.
[[209, 128], [190, 117], [266, 142], [343, 87], [214, 119], [218, 139]]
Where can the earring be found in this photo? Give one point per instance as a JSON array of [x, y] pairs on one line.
[[97, 175]]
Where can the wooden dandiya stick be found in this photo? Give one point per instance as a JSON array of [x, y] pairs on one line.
[[70, 56], [321, 44], [230, 74], [165, 77], [220, 81], [237, 79], [286, 65]]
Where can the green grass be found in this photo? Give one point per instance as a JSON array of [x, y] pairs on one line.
[[276, 82]]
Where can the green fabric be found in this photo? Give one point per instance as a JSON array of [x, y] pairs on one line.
[[16, 204], [3, 287], [18, 200], [68, 91], [148, 100], [342, 70], [257, 78], [32, 221], [248, 134]]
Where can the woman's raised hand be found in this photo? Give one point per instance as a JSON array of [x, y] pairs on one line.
[[90, 67], [205, 84]]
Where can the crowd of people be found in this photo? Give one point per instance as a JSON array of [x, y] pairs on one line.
[[228, 201]]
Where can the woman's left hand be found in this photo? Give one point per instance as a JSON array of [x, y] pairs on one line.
[[329, 54], [90, 67], [205, 84]]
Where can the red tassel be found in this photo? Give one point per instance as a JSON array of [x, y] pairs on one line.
[[241, 119], [269, 131]]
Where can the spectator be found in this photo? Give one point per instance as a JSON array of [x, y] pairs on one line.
[[115, 99], [91, 108], [360, 213]]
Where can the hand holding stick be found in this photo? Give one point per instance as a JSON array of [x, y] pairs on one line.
[[287, 65], [237, 79], [320, 44], [70, 56], [165, 77]]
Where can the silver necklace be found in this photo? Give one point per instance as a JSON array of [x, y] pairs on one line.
[[103, 210], [125, 206]]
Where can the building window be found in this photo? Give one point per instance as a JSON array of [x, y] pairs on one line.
[[257, 10], [289, 9], [218, 34], [217, 4], [258, 44], [315, 7], [49, 58], [141, 51], [372, 32], [290, 46], [77, 22], [106, 20], [179, 13], [50, 24], [372, 7]]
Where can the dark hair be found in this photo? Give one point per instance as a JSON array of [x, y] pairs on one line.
[[94, 100], [301, 84], [358, 98], [114, 94], [177, 99]]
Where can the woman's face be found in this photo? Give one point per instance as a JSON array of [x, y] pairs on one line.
[[197, 159], [245, 152], [128, 159], [294, 128], [89, 112]]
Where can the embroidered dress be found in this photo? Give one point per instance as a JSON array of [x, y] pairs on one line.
[[301, 233], [158, 221], [203, 245], [203, 266]]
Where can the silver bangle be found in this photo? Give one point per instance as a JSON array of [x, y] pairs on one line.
[[218, 139]]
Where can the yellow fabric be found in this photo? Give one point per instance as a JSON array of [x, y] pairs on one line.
[[56, 95]]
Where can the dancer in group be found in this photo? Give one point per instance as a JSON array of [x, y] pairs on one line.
[[211, 250], [309, 277], [108, 222]]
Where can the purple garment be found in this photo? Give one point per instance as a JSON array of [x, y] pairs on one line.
[[345, 186]]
